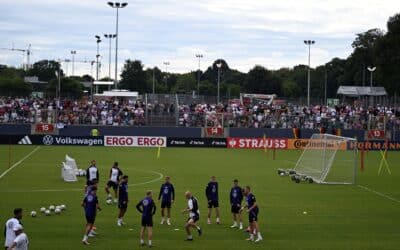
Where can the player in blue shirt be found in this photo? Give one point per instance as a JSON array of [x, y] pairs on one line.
[[212, 198], [90, 205], [252, 209], [236, 198], [167, 196], [147, 208], [122, 199]]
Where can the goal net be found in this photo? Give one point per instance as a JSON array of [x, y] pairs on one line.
[[327, 159]]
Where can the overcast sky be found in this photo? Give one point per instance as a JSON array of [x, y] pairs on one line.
[[244, 32]]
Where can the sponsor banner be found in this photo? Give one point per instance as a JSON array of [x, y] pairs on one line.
[[197, 142], [134, 141], [257, 143], [375, 145], [315, 144], [56, 140]]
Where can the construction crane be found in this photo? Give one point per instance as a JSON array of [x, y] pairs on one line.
[[28, 52]]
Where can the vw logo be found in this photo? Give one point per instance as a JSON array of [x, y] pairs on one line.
[[48, 140]]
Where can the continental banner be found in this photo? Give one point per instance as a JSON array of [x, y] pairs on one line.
[[316, 144]]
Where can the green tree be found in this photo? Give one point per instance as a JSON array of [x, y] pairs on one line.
[[262, 81], [45, 70], [185, 83], [133, 77], [69, 88], [14, 86]]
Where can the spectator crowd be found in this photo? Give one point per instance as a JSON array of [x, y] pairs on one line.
[[115, 112]]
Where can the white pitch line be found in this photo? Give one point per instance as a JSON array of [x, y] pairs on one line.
[[19, 162], [160, 176], [379, 194]]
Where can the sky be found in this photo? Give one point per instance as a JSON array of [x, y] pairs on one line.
[[244, 33]]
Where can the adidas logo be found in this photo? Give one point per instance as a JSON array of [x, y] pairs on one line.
[[25, 141]]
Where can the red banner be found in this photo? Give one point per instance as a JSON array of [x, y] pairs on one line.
[[257, 143], [376, 134], [44, 128]]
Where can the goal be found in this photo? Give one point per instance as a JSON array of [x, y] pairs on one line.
[[327, 159]]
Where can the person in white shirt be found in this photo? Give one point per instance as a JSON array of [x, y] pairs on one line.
[[194, 215], [20, 242], [113, 182], [9, 227]]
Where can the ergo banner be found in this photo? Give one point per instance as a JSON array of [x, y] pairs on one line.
[[257, 143], [135, 141]]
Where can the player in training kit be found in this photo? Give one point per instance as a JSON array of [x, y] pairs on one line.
[[21, 241], [236, 197], [252, 209], [90, 205], [92, 173], [212, 198], [115, 174], [122, 199], [194, 215], [167, 195], [9, 227], [147, 208]]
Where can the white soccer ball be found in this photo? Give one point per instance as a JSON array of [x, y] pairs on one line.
[[47, 212], [282, 174], [109, 202], [57, 210], [42, 209], [63, 207], [52, 207], [33, 213], [57, 207]]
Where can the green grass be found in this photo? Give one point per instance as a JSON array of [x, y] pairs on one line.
[[339, 216]]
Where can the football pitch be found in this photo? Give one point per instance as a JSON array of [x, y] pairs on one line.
[[361, 216]]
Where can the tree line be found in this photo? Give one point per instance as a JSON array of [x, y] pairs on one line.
[[373, 48]]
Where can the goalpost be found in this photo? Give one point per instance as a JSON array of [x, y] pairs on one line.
[[327, 159]]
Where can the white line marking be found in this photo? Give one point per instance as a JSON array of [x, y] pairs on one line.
[[379, 193], [19, 162], [160, 176]]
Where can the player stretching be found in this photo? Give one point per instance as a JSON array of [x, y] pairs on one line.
[[252, 209], [236, 198], [122, 199], [167, 192], [91, 205], [147, 208], [115, 174], [92, 173], [194, 215], [212, 198]]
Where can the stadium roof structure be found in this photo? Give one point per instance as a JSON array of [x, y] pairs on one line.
[[119, 93], [356, 91]]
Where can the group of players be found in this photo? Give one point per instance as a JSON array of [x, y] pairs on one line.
[[147, 207]]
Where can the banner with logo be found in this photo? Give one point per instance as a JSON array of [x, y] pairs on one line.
[[257, 143], [197, 142], [315, 144], [50, 140], [134, 141], [375, 145]]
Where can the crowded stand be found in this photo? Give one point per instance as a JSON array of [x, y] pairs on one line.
[[115, 112]]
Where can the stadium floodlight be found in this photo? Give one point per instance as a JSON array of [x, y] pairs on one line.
[[199, 56], [219, 65], [117, 6], [109, 37], [73, 53], [166, 73], [371, 70], [327, 159], [309, 43]]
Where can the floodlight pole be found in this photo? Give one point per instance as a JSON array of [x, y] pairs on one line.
[[166, 73], [73, 53], [219, 65], [309, 43], [199, 56], [371, 70], [116, 5]]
